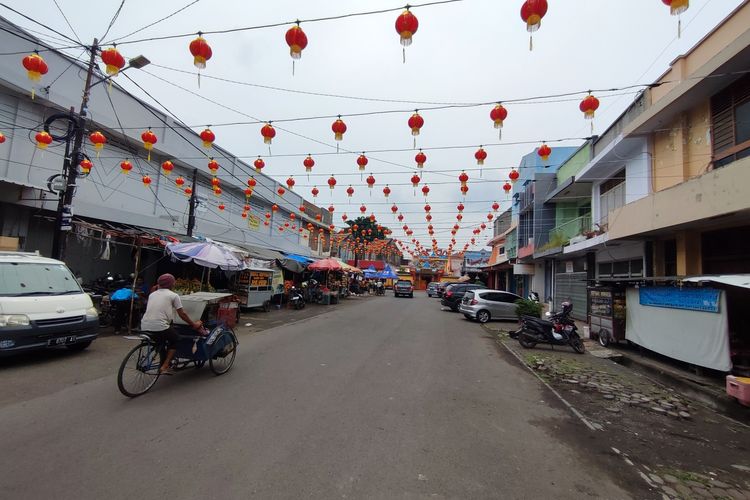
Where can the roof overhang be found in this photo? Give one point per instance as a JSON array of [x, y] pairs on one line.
[[569, 190], [738, 280]]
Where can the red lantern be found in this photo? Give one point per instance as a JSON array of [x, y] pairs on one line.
[[179, 181], [291, 216], [302, 208], [420, 158], [167, 167], [544, 151], [415, 180], [248, 192], [146, 180], [290, 183], [386, 191], [460, 207], [463, 178], [114, 61], [331, 182], [314, 192], [98, 140], [281, 191], [149, 139], [188, 191], [217, 191], [532, 12], [370, 181], [495, 206], [43, 139], [259, 164], [35, 68], [459, 217], [372, 219], [498, 116], [331, 208], [344, 217], [464, 190], [339, 128], [425, 190], [406, 25], [394, 209], [428, 217], [416, 122], [480, 156], [363, 209], [588, 106], [297, 41], [400, 217], [513, 175], [86, 165], [208, 138], [221, 207], [201, 52], [507, 187], [362, 162], [268, 133], [427, 208], [126, 166], [244, 215], [309, 163], [215, 182], [349, 191], [274, 208], [490, 217], [213, 166]]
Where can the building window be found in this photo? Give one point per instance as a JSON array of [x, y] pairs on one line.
[[670, 258], [621, 269], [730, 123], [611, 196]]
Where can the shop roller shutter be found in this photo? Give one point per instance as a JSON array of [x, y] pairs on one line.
[[572, 287]]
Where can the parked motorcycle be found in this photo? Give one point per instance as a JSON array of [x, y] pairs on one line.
[[559, 330], [296, 298]]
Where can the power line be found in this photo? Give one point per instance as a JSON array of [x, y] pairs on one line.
[[287, 23], [39, 23], [155, 22], [67, 21], [114, 19]]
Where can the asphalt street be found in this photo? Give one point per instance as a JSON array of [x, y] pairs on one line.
[[383, 398]]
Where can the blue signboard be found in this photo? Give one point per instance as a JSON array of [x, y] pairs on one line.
[[694, 299]]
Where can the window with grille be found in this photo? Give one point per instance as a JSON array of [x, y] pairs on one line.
[[730, 123]]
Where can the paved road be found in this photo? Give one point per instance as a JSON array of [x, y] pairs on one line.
[[387, 398]]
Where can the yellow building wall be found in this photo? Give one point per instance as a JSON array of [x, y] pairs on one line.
[[682, 148]]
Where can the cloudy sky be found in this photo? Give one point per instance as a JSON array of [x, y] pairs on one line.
[[471, 51]]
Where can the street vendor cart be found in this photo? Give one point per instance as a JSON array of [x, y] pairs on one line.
[[254, 287], [607, 313], [219, 308]]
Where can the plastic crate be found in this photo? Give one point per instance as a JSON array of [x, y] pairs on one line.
[[739, 387]]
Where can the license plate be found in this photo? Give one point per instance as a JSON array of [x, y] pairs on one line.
[[70, 339]]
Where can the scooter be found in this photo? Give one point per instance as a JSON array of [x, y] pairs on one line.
[[296, 298], [560, 330]]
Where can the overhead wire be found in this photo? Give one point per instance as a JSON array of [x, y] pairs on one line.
[[67, 21], [291, 22], [154, 23], [113, 20], [39, 23]]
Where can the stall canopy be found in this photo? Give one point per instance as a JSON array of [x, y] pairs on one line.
[[349, 268], [388, 273], [300, 258], [207, 254], [739, 280], [371, 272], [329, 264]]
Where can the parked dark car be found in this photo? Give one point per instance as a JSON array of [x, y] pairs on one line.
[[403, 288], [432, 288], [454, 293], [441, 289]]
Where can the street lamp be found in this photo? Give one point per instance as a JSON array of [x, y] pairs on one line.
[[76, 130]]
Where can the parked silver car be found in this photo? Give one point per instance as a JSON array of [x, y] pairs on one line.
[[484, 305]]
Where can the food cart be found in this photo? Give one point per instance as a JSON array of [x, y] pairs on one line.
[[607, 313], [255, 287], [210, 308]]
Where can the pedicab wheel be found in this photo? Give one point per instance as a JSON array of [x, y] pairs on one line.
[[577, 345], [604, 337], [139, 370], [223, 360]]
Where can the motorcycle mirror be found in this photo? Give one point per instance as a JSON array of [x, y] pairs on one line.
[[548, 314]]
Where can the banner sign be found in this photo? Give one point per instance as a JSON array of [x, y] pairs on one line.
[[693, 299]]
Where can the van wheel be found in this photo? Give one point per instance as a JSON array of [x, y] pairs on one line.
[[604, 337], [80, 346]]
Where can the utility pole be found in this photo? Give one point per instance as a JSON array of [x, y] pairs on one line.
[[70, 166], [191, 208]]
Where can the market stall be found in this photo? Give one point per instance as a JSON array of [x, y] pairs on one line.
[[606, 306], [334, 279], [254, 287]]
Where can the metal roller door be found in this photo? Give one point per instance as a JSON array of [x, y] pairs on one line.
[[572, 287]]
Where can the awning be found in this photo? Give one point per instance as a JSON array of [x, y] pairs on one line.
[[300, 258], [738, 280], [263, 253], [292, 265]]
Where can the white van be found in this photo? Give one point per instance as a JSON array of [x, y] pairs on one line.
[[42, 305]]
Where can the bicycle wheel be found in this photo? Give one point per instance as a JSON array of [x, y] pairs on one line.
[[222, 361], [139, 370]]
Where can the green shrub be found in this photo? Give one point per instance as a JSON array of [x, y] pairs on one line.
[[526, 307]]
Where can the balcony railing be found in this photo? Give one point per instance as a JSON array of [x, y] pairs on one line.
[[571, 229]]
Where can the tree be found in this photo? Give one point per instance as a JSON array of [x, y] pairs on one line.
[[367, 231]]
